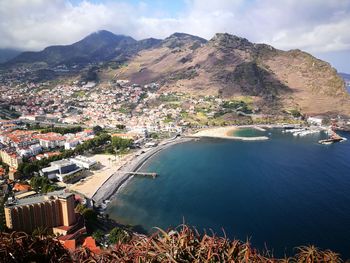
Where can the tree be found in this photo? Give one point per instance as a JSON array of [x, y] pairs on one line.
[[120, 143], [120, 126], [98, 236], [42, 184], [118, 235], [28, 169], [80, 208], [97, 129]]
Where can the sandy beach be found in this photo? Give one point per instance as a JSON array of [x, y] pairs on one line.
[[226, 133], [104, 182], [108, 165], [119, 173]]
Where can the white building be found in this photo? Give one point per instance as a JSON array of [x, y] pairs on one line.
[[83, 162], [71, 144], [315, 121], [36, 149]]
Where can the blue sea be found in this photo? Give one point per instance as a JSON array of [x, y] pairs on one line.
[[280, 193]]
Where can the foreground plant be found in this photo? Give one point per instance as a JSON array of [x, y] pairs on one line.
[[183, 244], [21, 247]]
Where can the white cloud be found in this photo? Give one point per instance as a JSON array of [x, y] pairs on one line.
[[312, 25]]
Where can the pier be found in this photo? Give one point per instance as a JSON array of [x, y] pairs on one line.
[[153, 175]]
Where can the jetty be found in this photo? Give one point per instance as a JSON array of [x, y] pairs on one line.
[[153, 175], [334, 137]]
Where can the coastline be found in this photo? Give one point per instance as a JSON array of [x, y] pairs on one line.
[[116, 180], [224, 133], [117, 176]]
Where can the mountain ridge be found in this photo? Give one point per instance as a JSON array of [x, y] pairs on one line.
[[226, 66], [97, 47]]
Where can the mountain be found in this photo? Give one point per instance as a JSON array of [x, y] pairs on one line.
[[227, 66], [232, 66], [345, 76], [97, 47], [8, 54]]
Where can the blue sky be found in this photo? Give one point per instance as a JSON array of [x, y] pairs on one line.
[[169, 7], [319, 27]]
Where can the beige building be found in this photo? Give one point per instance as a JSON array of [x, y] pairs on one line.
[[48, 211], [11, 159]]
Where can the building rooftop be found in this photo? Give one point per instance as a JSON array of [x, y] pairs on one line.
[[63, 162], [39, 198]]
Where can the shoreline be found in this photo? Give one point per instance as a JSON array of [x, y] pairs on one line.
[[224, 133], [116, 181]]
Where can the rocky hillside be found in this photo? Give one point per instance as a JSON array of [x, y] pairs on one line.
[[100, 46], [231, 66], [227, 66], [8, 54]]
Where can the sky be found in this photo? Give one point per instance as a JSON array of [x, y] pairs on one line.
[[320, 27]]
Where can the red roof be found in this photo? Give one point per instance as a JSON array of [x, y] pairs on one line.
[[90, 243], [21, 187], [69, 244]]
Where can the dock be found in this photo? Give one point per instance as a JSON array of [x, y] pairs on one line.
[[332, 139], [144, 174]]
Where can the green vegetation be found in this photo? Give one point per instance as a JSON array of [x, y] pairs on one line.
[[153, 135], [171, 97], [5, 166], [73, 177], [42, 184], [120, 126], [237, 105], [79, 94], [168, 118], [89, 215], [127, 108], [90, 75], [119, 145], [97, 129], [294, 112], [63, 130], [118, 235], [2, 214], [98, 235], [27, 168]]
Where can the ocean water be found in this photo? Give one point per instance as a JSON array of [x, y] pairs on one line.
[[280, 193]]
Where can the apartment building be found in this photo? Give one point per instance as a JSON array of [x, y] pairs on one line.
[[48, 211]]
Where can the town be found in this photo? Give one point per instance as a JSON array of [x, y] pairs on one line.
[[61, 142]]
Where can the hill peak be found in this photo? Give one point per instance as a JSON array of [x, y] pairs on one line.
[[179, 39], [230, 41]]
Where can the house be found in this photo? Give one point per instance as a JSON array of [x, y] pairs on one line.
[[21, 187], [25, 152], [315, 120], [35, 149], [71, 144], [51, 140], [47, 155]]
